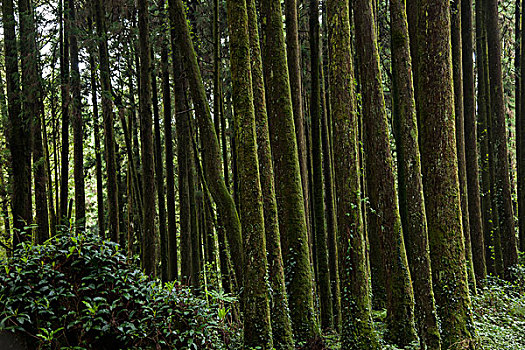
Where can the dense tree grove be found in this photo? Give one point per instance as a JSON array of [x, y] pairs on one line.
[[310, 164]]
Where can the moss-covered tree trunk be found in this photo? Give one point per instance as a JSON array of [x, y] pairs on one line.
[[257, 325], [33, 109], [381, 181], [293, 53], [457, 77], [411, 199], [440, 175], [471, 148], [320, 241], [357, 330], [19, 132], [211, 152], [107, 112], [290, 205], [498, 125], [280, 314], [521, 153], [149, 246]]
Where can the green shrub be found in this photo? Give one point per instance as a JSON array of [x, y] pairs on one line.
[[80, 291]]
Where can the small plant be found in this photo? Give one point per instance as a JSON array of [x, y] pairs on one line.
[[77, 290]]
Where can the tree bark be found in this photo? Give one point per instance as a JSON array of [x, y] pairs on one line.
[[440, 175]]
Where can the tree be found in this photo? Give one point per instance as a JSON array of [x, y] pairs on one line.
[[290, 201], [471, 148], [33, 107], [498, 125], [357, 330], [440, 174], [381, 182], [19, 133]]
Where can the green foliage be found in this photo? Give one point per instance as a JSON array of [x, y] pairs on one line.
[[78, 290], [499, 313]]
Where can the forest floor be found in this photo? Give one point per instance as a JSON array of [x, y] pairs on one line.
[[499, 315]]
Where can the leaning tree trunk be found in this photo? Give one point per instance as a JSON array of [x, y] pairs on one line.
[[411, 199], [211, 151], [440, 174], [381, 181]]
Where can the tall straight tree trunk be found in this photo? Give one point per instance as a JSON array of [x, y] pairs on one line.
[[146, 134], [107, 112], [320, 240], [78, 139], [381, 182], [159, 175], [293, 50], [440, 174], [471, 148], [482, 129], [498, 124], [457, 76], [521, 153], [257, 325], [280, 316], [19, 132], [411, 198], [289, 192], [518, 104], [211, 151], [172, 252], [65, 92], [33, 107], [356, 307]]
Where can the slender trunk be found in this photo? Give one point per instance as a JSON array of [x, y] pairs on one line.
[[357, 331], [520, 147], [65, 92], [440, 175], [76, 111], [457, 76], [498, 124], [107, 112], [411, 199], [471, 148]]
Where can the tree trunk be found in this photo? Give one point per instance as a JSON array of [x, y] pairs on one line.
[[381, 182], [33, 108], [211, 152], [411, 199], [440, 175], [289, 192], [320, 240], [280, 318], [293, 50], [471, 148], [65, 92], [78, 139], [498, 124], [257, 325], [19, 132], [357, 332]]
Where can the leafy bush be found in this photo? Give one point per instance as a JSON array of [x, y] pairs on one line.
[[80, 291]]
